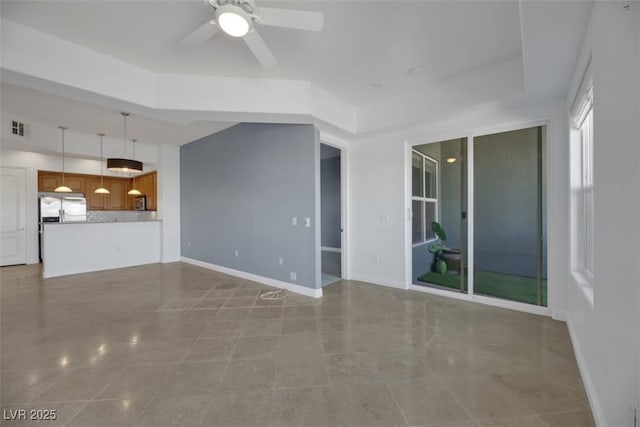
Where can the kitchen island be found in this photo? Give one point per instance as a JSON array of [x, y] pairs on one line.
[[83, 247]]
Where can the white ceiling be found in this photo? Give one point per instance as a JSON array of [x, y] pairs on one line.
[[363, 42], [89, 118], [466, 53]]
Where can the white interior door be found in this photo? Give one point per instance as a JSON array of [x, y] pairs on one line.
[[13, 217]]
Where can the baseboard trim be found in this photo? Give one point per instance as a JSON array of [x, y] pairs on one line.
[[587, 380], [559, 315], [379, 282], [314, 293]]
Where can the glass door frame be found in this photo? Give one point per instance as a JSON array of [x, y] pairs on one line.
[[469, 255]]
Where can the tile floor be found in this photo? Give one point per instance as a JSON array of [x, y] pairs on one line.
[[175, 344]]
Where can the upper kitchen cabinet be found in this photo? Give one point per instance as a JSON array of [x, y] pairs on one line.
[[117, 199], [147, 184], [95, 201], [49, 181]]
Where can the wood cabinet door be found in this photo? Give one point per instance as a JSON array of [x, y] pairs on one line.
[[117, 200], [48, 181], [152, 198], [141, 184], [95, 201], [146, 184], [74, 182]]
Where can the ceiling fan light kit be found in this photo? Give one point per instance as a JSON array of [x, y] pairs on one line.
[[233, 20], [239, 18]]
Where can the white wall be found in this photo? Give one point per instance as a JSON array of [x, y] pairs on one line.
[[379, 182], [606, 332], [169, 202], [47, 139]]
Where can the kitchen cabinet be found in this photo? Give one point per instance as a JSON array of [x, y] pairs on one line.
[[49, 181], [118, 199], [147, 184], [95, 201]]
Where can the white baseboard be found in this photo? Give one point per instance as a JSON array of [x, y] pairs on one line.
[[589, 387], [381, 282], [302, 290], [559, 315]]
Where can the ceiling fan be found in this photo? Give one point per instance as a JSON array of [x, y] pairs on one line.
[[238, 18]]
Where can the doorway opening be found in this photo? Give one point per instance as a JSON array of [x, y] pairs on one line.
[[479, 216], [331, 213]]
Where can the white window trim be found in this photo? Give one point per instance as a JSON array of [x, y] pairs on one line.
[[581, 109], [427, 199]]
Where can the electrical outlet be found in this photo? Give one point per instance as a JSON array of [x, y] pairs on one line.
[[294, 220], [307, 222], [188, 244], [280, 261], [237, 252], [293, 276]]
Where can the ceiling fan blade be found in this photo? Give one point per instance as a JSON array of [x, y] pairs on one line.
[[200, 35], [260, 49], [288, 18]]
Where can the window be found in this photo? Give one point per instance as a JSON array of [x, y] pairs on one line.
[[424, 203], [583, 117], [586, 134]]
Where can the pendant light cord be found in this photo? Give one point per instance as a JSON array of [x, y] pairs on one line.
[[124, 115], [134, 157], [101, 163], [63, 129], [124, 140]]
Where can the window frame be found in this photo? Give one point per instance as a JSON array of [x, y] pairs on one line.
[[582, 114], [424, 200], [587, 194]]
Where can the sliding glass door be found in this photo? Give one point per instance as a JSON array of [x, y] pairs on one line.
[[508, 189], [509, 239], [439, 214]]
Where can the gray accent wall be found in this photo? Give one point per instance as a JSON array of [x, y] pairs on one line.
[[240, 189]]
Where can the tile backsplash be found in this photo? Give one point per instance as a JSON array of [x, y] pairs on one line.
[[115, 216]]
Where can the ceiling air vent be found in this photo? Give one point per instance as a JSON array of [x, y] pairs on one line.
[[17, 128]]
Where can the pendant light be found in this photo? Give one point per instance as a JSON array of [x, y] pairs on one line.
[[124, 165], [101, 190], [133, 191], [62, 188]]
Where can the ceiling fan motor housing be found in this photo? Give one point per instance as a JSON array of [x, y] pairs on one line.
[[247, 6]]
